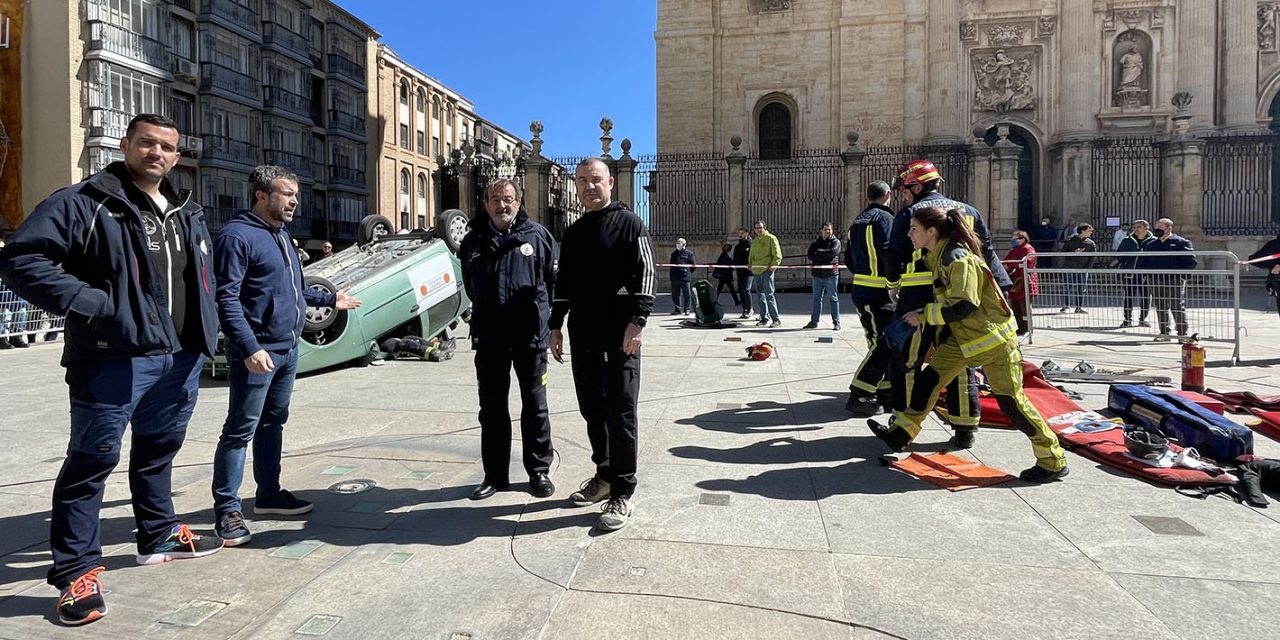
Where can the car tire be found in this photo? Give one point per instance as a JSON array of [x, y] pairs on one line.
[[373, 227], [319, 318], [451, 226]]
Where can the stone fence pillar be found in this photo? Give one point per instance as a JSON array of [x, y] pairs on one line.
[[737, 161], [537, 178], [854, 187], [1181, 198], [625, 176], [1004, 182], [980, 172]]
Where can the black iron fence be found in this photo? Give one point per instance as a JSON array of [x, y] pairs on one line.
[[1126, 178], [796, 195], [1240, 175], [953, 163], [563, 205], [683, 195]]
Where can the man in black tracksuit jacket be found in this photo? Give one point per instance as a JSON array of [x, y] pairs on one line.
[[605, 286], [867, 256], [1137, 283], [509, 271], [920, 190], [125, 257]]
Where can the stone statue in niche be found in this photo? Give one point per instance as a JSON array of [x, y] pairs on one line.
[[1131, 80], [1005, 82], [1267, 27]]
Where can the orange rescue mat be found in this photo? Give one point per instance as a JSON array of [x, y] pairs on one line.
[[951, 472], [1267, 423]]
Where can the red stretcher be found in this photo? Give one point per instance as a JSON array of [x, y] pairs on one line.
[[1107, 447]]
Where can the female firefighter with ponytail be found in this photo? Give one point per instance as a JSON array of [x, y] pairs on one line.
[[982, 334]]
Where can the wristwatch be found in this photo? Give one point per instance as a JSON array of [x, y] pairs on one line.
[[640, 321]]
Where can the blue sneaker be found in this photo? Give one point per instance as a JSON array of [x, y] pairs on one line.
[[179, 544], [232, 530]]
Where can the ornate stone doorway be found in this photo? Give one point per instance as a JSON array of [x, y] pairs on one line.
[[1028, 174]]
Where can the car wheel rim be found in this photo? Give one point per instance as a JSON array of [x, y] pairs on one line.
[[458, 228]]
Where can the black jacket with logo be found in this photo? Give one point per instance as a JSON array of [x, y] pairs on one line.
[[510, 279], [606, 278], [83, 253], [824, 252]]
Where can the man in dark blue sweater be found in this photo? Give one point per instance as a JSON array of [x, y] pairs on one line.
[[1169, 252], [261, 305]]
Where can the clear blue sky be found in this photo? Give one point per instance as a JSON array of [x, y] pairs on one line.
[[567, 63]]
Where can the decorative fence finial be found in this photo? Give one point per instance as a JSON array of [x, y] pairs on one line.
[[535, 128], [606, 140]]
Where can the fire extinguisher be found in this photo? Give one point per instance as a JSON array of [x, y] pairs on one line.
[[1192, 365]]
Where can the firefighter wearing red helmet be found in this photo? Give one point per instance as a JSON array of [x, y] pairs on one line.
[[919, 185]]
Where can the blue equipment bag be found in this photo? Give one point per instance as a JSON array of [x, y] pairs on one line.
[[1192, 425]]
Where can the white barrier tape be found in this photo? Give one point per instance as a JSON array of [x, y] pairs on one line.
[[1262, 259], [747, 266]]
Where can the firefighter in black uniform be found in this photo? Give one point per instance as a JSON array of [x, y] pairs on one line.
[[509, 266], [918, 183], [867, 256]]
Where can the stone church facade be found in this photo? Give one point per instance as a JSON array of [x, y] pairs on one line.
[[1062, 79]]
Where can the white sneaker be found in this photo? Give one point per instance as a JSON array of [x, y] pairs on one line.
[[593, 490], [615, 514]]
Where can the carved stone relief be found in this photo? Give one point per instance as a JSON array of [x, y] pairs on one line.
[[1006, 79], [968, 32], [1046, 26], [1267, 27], [766, 6], [1004, 35]]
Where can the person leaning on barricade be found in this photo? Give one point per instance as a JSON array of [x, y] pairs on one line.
[[968, 301], [919, 183], [1137, 282], [125, 257], [867, 256], [1020, 262], [1272, 267], [1170, 252]]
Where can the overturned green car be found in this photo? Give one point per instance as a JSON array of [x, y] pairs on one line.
[[409, 284]]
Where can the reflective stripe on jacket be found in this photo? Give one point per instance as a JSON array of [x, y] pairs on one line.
[[968, 301]]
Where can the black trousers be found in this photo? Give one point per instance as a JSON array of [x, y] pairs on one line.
[[1170, 293], [608, 386], [493, 373], [728, 282], [875, 312], [1137, 287]]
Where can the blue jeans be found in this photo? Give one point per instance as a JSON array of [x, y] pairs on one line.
[[156, 394], [1077, 284], [824, 288], [259, 408], [681, 291], [762, 297]]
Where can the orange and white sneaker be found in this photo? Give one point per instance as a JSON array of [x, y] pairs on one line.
[[82, 601], [179, 544]]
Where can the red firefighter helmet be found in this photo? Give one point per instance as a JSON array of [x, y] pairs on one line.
[[918, 172], [760, 351]]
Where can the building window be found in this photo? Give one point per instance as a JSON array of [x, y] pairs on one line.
[[422, 221], [138, 16], [435, 146], [404, 93], [184, 113], [404, 219], [422, 143], [404, 191], [133, 92], [435, 107], [404, 136], [422, 194], [420, 102], [774, 132]]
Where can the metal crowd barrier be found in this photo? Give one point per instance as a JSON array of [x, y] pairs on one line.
[[20, 319], [1095, 300]]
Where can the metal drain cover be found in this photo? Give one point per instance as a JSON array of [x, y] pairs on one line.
[[348, 487]]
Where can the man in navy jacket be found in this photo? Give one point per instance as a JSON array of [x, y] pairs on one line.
[[261, 305], [125, 258], [509, 270], [1170, 251]]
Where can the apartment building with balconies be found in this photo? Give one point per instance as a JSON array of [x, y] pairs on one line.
[[248, 82], [423, 125]]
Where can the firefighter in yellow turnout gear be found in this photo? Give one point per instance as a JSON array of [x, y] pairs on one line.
[[968, 302]]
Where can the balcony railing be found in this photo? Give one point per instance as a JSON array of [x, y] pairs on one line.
[[216, 76], [224, 148], [273, 33], [343, 121], [104, 36], [347, 67], [294, 162], [233, 12], [217, 217], [108, 123], [346, 176], [189, 5], [277, 98]]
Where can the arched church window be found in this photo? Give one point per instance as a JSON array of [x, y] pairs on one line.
[[774, 132]]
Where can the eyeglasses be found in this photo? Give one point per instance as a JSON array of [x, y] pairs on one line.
[[758, 227], [502, 200]]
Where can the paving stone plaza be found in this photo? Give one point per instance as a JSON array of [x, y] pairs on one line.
[[762, 512]]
